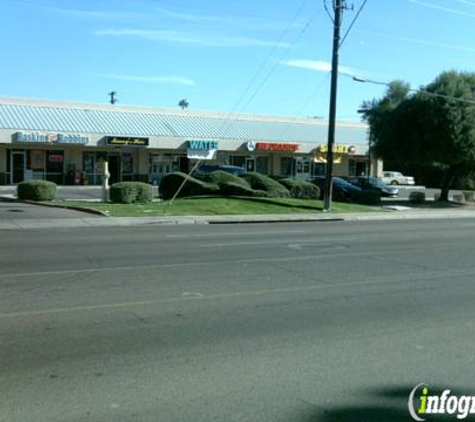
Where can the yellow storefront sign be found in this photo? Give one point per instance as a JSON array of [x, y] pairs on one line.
[[338, 152], [337, 149]]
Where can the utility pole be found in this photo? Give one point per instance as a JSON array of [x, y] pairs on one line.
[[338, 8]]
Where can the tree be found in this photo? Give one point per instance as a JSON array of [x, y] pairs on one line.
[[433, 129], [183, 103]]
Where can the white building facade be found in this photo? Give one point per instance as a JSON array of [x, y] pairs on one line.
[[67, 142]]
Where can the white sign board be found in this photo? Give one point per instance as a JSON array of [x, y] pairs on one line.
[[201, 154]]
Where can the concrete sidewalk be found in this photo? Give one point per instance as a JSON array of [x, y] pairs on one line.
[[87, 221], [77, 219]]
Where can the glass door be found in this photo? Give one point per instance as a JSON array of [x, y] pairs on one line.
[[18, 166], [115, 169], [250, 164]]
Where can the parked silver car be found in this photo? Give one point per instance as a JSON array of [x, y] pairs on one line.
[[397, 178]]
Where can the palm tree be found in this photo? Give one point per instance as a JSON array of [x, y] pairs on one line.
[[183, 103]]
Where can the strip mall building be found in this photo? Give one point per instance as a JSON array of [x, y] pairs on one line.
[[67, 142]]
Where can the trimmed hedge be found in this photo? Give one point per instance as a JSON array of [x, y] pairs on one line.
[[273, 188], [220, 177], [468, 195], [238, 189], [300, 189], [36, 190], [193, 187], [130, 193], [417, 197]]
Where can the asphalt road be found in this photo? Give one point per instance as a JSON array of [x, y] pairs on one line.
[[279, 322]]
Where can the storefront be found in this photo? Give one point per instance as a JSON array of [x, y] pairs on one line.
[[67, 143], [35, 155]]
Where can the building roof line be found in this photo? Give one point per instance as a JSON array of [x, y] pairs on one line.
[[72, 105]]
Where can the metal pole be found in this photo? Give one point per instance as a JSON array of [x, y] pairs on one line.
[[105, 181], [333, 96]]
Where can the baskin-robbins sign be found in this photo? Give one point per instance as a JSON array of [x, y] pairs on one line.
[[202, 149], [50, 138]]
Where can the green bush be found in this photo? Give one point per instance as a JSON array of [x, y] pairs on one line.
[[219, 177], [193, 187], [259, 181], [417, 197], [468, 195], [300, 189], [237, 189], [130, 193], [368, 197], [36, 190]]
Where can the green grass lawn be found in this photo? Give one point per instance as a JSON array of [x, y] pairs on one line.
[[218, 206]]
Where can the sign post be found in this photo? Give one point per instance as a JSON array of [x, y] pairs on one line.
[[105, 181]]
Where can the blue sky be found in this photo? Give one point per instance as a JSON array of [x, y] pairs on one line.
[[265, 57]]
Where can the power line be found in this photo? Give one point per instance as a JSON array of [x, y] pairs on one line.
[[417, 91], [276, 65], [326, 10], [263, 64], [298, 115], [261, 68], [353, 22]]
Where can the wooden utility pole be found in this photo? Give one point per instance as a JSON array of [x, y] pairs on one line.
[[338, 8]]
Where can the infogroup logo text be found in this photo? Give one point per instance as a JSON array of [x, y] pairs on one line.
[[421, 403]]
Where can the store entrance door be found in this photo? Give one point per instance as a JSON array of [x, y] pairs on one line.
[[18, 166], [114, 168], [302, 168], [158, 170], [250, 164]]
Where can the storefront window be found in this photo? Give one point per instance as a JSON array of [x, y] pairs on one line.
[[88, 165], [262, 165], [37, 160], [54, 166], [286, 166], [92, 165], [352, 167], [127, 163], [318, 169], [237, 160]]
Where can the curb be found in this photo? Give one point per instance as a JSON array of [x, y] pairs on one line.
[[68, 207]]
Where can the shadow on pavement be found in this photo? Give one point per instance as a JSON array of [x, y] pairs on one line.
[[383, 405]]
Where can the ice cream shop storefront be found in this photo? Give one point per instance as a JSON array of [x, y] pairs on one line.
[[69, 159]]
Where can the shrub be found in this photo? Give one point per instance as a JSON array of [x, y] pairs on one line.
[[130, 193], [300, 189], [417, 197], [193, 187], [468, 195], [36, 190], [368, 197], [238, 189], [220, 177], [273, 188]]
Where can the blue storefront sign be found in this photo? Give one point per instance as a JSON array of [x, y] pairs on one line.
[[203, 145]]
